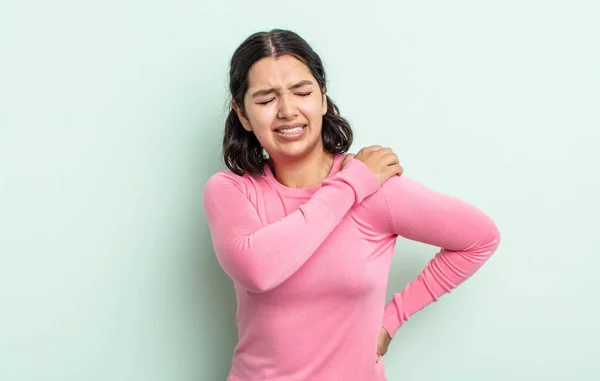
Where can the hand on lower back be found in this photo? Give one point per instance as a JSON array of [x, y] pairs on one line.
[[383, 343]]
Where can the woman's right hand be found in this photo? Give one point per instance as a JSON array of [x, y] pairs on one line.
[[383, 162]]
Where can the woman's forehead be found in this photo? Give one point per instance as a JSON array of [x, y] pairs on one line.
[[275, 72]]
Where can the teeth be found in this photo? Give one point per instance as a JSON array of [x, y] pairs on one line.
[[290, 131]]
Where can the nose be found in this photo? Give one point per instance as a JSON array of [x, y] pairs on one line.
[[287, 108]]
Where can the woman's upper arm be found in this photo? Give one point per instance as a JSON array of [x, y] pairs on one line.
[[419, 213]]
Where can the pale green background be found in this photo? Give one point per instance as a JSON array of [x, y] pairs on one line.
[[110, 124]]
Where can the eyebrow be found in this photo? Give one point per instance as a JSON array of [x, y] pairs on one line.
[[271, 90]]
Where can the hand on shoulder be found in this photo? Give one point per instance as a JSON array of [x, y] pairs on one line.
[[382, 161]]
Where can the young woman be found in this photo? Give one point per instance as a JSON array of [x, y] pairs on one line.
[[307, 233]]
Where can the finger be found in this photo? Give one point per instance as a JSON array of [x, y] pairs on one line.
[[394, 169], [390, 158], [383, 151], [399, 170]]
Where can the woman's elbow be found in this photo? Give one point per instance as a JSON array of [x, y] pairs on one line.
[[247, 275], [256, 283], [490, 240]]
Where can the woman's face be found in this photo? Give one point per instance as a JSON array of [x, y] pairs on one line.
[[284, 107]]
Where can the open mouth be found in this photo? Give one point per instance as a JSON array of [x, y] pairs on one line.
[[291, 131]]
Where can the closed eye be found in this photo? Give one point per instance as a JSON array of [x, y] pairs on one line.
[[298, 94], [265, 102]]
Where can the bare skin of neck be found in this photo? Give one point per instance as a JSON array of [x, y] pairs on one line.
[[303, 172]]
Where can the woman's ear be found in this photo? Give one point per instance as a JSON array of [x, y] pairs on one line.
[[241, 116]]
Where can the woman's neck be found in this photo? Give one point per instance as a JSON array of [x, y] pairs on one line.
[[306, 172]]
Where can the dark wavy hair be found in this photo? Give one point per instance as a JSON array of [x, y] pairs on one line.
[[242, 152]]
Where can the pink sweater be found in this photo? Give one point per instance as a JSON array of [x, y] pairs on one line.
[[310, 266]]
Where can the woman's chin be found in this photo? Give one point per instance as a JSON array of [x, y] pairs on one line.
[[296, 153]]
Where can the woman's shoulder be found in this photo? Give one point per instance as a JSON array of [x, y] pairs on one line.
[[226, 180]]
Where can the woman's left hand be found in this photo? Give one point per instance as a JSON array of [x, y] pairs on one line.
[[383, 343]]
